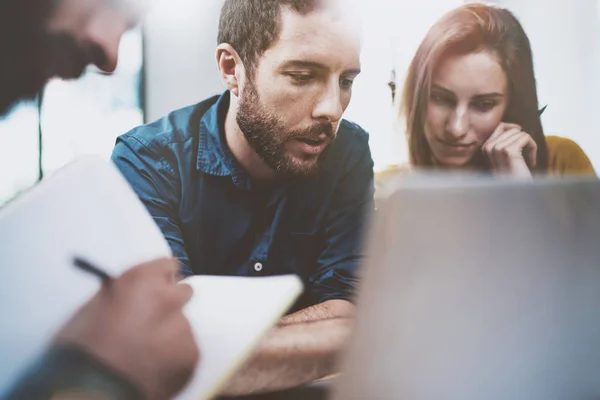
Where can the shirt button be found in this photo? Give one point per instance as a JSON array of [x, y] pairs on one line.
[[258, 267]]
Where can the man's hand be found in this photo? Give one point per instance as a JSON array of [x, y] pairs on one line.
[[136, 326], [511, 151]]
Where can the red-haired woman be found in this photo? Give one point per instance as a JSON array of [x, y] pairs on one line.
[[470, 100]]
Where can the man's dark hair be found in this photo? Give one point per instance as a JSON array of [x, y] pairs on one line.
[[252, 26]]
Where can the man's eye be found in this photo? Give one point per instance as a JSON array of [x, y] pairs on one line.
[[301, 78], [346, 83]]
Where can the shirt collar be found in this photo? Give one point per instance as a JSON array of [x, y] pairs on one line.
[[214, 156]]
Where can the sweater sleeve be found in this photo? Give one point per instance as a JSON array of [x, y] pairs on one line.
[[565, 157]]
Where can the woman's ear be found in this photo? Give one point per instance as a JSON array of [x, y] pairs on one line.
[[230, 67]]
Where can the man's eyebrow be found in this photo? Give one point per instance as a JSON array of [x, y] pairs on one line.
[[315, 65], [304, 64], [353, 71]]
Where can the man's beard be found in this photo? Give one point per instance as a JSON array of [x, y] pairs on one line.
[[267, 135], [31, 56]]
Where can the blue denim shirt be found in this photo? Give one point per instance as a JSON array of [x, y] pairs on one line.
[[219, 222]]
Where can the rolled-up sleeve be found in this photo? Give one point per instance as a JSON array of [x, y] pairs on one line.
[[336, 274], [156, 183]]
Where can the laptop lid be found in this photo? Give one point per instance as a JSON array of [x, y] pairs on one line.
[[479, 289]]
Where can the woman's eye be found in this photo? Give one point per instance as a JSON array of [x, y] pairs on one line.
[[441, 99], [484, 106]]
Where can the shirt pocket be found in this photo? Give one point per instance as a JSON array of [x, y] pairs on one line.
[[304, 250]]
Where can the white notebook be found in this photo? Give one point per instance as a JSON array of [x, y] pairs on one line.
[[88, 209]]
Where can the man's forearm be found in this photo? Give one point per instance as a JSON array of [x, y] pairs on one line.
[[327, 310], [292, 355]]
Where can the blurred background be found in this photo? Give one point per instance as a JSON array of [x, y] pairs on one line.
[[169, 63]]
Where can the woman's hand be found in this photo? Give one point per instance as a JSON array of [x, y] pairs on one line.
[[511, 151]]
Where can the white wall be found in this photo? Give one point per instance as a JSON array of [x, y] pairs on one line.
[[565, 37], [371, 104], [180, 39]]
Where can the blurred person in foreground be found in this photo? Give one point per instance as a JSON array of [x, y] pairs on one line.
[[268, 178], [131, 341], [470, 101]]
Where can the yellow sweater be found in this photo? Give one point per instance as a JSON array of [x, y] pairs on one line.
[[565, 157]]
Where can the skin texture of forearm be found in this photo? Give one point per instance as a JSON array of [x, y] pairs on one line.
[[327, 310], [293, 354]]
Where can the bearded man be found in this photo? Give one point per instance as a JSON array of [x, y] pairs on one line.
[[267, 178]]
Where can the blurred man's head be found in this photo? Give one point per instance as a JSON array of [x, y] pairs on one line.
[[290, 66], [42, 39]]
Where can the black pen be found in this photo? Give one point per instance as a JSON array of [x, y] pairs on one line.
[[88, 267]]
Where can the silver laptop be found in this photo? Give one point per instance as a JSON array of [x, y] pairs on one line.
[[480, 289]]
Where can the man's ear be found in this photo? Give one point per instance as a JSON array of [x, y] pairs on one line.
[[230, 67]]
